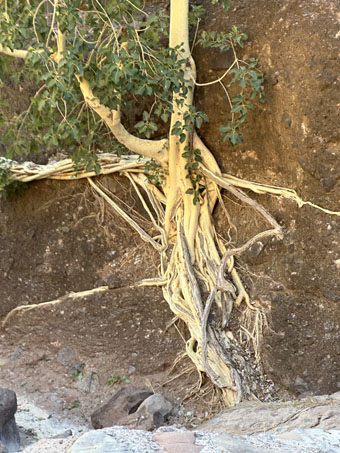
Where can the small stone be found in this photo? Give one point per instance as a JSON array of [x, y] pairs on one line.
[[113, 281], [63, 435], [286, 120], [328, 183], [16, 353]]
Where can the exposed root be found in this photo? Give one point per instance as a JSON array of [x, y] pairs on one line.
[[70, 297], [126, 217], [252, 325], [197, 271], [67, 297]]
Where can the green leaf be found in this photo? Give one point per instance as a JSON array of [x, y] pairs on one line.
[[74, 405], [199, 122], [182, 138], [165, 116]]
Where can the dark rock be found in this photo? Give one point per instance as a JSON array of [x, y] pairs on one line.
[[76, 369], [328, 183], [113, 281], [9, 434], [124, 402], [332, 295], [8, 405], [100, 282]]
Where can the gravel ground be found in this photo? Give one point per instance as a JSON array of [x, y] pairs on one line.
[[123, 440]]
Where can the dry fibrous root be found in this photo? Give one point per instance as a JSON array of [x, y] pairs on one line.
[[196, 269]]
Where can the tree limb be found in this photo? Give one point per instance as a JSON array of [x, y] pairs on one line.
[[155, 149], [17, 53]]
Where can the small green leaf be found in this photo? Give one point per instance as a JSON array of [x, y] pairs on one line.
[[74, 405], [182, 138]]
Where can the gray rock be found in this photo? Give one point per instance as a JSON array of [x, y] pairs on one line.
[[124, 402], [335, 396], [63, 435], [16, 353], [88, 381], [153, 412], [9, 435], [65, 356], [255, 417], [117, 439], [97, 442], [3, 449]]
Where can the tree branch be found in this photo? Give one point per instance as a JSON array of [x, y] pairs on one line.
[[17, 53], [149, 148]]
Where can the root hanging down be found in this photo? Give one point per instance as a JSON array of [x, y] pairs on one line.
[[196, 269]]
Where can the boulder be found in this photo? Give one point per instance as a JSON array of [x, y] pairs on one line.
[[153, 412], [9, 434], [124, 402]]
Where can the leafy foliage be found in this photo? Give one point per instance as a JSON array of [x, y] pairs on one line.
[[9, 188], [155, 173], [194, 158], [121, 50]]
